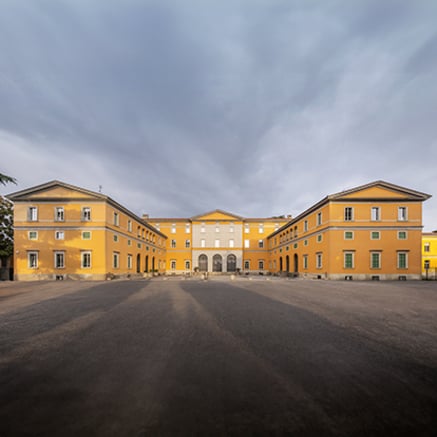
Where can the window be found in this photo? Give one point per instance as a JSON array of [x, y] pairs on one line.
[[348, 214], [59, 235], [375, 235], [402, 235], [246, 244], [86, 235], [173, 228], [59, 214], [86, 214], [261, 228], [402, 260], [319, 238], [348, 260], [305, 242], [426, 264], [319, 261], [202, 243], [231, 227], [187, 228], [294, 246], [59, 260], [173, 264], [33, 214], [32, 260], [139, 245], [217, 227], [375, 213], [187, 265], [129, 242], [319, 218], [261, 264], [246, 265], [231, 243], [295, 232], [402, 213], [33, 235], [348, 235], [305, 226], [115, 236], [217, 243], [305, 261], [116, 221], [260, 244], [426, 247], [202, 228], [187, 243], [129, 226], [85, 261], [115, 260], [375, 260], [173, 244], [246, 228]]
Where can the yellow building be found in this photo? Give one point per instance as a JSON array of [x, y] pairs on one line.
[[429, 255], [369, 232], [216, 242], [62, 231]]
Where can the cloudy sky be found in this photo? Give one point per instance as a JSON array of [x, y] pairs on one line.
[[258, 107]]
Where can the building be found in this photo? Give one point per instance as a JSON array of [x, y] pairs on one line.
[[62, 231], [373, 231], [217, 241], [429, 255]]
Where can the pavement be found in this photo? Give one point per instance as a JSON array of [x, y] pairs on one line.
[[222, 357]]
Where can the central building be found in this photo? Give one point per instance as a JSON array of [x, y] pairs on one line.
[[217, 242]]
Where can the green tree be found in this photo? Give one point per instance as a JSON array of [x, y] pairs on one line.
[[6, 179], [6, 228]]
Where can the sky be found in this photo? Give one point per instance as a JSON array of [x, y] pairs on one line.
[[256, 107]]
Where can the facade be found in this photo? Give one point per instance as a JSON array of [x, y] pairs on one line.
[[65, 232], [429, 255], [370, 232], [217, 242]]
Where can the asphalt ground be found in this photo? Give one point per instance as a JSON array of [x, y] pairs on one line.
[[173, 357]]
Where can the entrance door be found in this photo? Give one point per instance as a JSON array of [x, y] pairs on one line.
[[217, 262], [231, 263], [203, 263]]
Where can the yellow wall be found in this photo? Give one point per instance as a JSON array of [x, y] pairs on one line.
[[429, 254]]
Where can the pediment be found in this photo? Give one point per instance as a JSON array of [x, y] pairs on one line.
[[380, 191], [55, 190], [216, 215]]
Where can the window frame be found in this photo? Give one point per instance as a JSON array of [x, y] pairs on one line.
[[32, 255], [59, 255], [348, 213], [82, 259]]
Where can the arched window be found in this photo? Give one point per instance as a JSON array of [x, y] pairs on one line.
[[231, 263], [203, 263], [217, 262]]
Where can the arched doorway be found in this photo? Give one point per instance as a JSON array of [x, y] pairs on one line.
[[138, 263], [287, 263], [203, 263], [217, 263], [231, 263], [153, 264], [280, 263], [146, 267], [296, 263]]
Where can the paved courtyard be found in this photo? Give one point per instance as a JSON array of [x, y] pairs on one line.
[[171, 357]]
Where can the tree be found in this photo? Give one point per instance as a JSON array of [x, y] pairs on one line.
[[6, 222], [6, 228], [6, 179]]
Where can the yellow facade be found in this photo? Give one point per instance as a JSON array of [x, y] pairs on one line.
[[62, 231], [370, 232], [429, 255]]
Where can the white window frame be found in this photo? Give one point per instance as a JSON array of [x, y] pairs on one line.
[[59, 255], [372, 237], [84, 233], [216, 242], [405, 253], [345, 255], [231, 242], [59, 214], [86, 214], [173, 228], [402, 213], [129, 225], [261, 228], [172, 264], [319, 218], [261, 244], [115, 260], [347, 232], [319, 260], [246, 228], [305, 262], [402, 238], [379, 257], [305, 226], [32, 213], [32, 259], [261, 264], [375, 214], [427, 247], [246, 264], [187, 244], [116, 219], [173, 244], [83, 261], [59, 235], [187, 228], [246, 244], [348, 214], [35, 235], [202, 242], [187, 264]]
